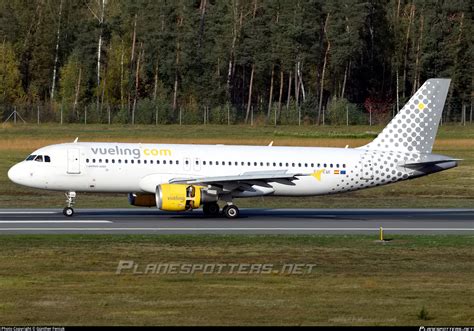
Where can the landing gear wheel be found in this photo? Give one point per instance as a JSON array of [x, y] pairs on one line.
[[70, 200], [211, 209], [68, 211], [231, 211]]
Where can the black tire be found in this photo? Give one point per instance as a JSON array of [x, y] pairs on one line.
[[211, 209], [231, 211], [68, 211]]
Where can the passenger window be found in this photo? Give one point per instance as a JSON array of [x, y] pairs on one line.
[[217, 162], [120, 161], [343, 165], [281, 164], [87, 160], [177, 162], [126, 161], [292, 164], [132, 161], [210, 162], [331, 165], [171, 161], [312, 165], [113, 160], [106, 160], [144, 161]]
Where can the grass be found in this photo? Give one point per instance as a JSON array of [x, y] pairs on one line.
[[70, 280], [453, 188]]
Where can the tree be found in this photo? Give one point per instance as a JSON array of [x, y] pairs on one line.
[[10, 83]]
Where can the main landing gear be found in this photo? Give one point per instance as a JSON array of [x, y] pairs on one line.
[[70, 200], [212, 209], [231, 211]]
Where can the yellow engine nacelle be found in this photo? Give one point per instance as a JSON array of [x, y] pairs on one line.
[[142, 199], [181, 197]]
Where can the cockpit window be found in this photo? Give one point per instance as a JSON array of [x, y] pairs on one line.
[[39, 158]]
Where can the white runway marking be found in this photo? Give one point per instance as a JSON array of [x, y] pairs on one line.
[[53, 222], [234, 229]]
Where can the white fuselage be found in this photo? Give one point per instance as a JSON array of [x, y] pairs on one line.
[[120, 167]]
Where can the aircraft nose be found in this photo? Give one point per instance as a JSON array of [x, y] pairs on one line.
[[15, 174]]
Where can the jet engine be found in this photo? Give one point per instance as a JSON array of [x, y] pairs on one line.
[[181, 197], [142, 199]]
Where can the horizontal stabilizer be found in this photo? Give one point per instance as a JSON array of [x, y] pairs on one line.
[[415, 165]]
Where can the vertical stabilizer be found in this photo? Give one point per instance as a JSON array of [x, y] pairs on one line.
[[415, 126]]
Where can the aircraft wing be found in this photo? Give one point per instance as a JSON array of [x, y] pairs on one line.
[[245, 177]]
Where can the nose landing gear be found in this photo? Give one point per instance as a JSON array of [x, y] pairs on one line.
[[70, 200]]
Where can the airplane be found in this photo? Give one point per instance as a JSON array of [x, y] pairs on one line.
[[183, 177]]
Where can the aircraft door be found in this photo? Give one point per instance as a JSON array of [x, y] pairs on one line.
[[73, 161]]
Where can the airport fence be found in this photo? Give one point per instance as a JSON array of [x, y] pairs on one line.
[[147, 112]]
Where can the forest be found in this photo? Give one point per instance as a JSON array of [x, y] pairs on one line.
[[231, 61]]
